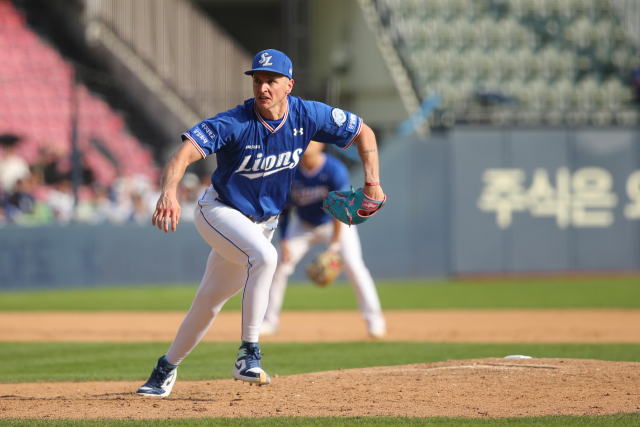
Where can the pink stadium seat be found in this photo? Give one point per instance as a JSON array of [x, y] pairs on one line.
[[35, 103]]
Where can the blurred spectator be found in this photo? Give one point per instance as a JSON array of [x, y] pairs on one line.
[[23, 207], [122, 207], [150, 193], [189, 192], [62, 201], [43, 194], [102, 205], [84, 210], [134, 199], [140, 213], [12, 167], [21, 201], [87, 174], [49, 164]]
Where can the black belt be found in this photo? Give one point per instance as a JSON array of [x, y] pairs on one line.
[[253, 218], [260, 219]]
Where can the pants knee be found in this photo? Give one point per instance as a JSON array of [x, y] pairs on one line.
[[285, 268], [265, 256]]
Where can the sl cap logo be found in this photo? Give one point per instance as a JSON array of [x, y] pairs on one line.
[[265, 59]]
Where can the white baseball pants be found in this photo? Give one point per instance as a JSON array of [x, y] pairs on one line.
[[301, 237], [242, 258]]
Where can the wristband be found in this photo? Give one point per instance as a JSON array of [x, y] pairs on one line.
[[371, 184]]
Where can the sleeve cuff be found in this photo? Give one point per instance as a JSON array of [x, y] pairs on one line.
[[202, 153], [354, 136]]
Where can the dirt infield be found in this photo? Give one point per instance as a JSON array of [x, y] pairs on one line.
[[522, 326], [471, 388], [464, 388]]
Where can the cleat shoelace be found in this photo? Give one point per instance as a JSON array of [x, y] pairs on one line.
[[252, 359], [158, 377]]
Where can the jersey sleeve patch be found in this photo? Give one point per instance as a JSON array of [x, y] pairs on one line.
[[335, 126], [204, 137], [207, 130], [338, 116], [353, 120]]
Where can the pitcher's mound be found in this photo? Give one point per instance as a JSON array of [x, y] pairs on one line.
[[459, 388]]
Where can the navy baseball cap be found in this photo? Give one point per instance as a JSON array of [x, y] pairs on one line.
[[272, 60]]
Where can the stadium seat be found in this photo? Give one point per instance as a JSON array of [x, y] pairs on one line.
[[535, 49], [35, 93]]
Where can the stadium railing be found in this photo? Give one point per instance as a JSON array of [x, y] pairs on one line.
[[184, 57]]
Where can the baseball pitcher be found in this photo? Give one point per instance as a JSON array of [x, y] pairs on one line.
[[258, 146]]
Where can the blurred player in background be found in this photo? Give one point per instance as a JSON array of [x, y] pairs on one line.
[[258, 146], [318, 174]]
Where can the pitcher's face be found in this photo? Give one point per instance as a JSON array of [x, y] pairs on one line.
[[270, 90]]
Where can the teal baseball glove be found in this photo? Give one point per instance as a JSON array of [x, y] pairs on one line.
[[353, 207]]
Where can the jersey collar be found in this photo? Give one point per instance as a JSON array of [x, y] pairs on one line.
[[263, 121]]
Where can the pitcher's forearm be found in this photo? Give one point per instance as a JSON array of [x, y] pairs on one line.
[[176, 166], [368, 152], [172, 174]]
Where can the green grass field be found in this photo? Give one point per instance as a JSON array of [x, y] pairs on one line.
[[600, 292], [33, 362], [38, 362]]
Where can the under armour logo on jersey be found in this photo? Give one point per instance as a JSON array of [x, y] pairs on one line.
[[265, 60], [296, 131]]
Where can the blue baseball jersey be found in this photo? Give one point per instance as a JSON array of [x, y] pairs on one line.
[[311, 187], [257, 158]]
